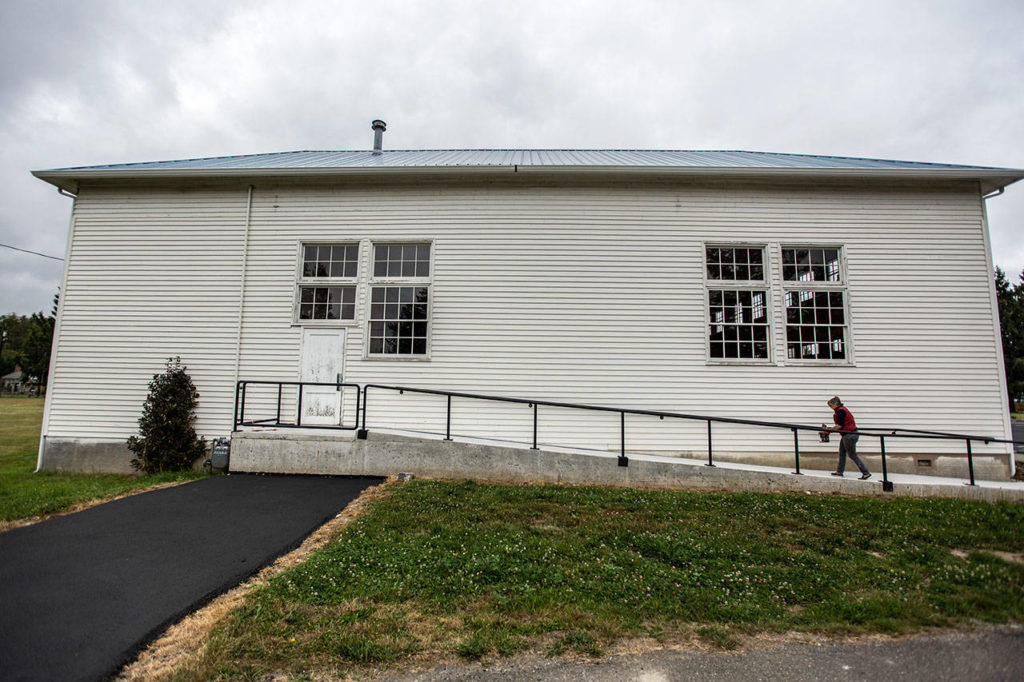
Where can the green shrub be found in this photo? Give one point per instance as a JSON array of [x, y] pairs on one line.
[[167, 437]]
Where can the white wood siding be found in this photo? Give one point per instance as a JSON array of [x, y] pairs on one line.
[[152, 274], [590, 294]]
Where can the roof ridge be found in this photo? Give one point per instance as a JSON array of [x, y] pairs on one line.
[[532, 149]]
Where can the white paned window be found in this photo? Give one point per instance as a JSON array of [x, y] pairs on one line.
[[327, 303], [395, 261], [399, 321], [330, 260], [327, 283], [815, 303], [735, 264], [737, 299]]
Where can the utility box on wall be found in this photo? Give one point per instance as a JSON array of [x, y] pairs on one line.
[[220, 454]]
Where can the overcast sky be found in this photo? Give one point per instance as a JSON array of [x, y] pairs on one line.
[[88, 82]]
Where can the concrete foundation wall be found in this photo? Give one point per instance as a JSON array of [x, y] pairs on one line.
[[385, 454], [86, 456], [91, 457]]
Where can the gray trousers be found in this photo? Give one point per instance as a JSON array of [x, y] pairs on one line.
[[848, 446]]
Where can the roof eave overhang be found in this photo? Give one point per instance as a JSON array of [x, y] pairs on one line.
[[70, 179]]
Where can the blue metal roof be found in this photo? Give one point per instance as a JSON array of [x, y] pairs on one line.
[[563, 158], [562, 161]]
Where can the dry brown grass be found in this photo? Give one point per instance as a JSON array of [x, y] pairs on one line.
[[1011, 557], [176, 649]]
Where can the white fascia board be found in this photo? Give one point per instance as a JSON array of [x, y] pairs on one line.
[[989, 179]]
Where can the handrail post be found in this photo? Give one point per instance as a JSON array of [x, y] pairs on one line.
[[796, 451], [534, 426], [279, 387], [361, 433], [238, 386], [448, 426], [357, 406], [241, 413], [970, 461], [710, 462], [623, 460], [886, 483], [298, 418]]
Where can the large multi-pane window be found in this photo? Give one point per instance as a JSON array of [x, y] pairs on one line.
[[400, 299], [814, 294], [737, 299], [327, 282]]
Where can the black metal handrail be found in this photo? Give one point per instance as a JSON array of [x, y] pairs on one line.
[[240, 394], [623, 460], [362, 401]]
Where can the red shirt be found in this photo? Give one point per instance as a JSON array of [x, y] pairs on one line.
[[844, 420]]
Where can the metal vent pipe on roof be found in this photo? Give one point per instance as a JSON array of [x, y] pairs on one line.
[[378, 135]]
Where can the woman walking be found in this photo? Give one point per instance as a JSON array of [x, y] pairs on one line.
[[845, 424]]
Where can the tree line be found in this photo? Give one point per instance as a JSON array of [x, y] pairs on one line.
[[1010, 297], [26, 343]]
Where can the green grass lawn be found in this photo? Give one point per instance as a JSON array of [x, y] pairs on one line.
[[478, 570], [25, 494]]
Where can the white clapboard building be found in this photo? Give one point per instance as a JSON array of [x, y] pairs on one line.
[[733, 284]]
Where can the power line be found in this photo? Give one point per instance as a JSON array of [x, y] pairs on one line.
[[35, 253]]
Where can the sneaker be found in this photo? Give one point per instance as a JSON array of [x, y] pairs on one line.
[[865, 477], [837, 473]]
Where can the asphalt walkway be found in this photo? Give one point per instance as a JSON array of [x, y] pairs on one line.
[[81, 594]]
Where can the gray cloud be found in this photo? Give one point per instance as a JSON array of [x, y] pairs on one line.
[[104, 81]]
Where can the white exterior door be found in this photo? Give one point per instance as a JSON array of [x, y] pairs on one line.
[[323, 357]]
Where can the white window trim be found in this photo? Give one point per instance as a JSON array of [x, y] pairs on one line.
[[301, 282], [842, 285], [747, 285], [372, 282]]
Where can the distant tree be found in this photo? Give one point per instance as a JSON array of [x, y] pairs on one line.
[[35, 351], [28, 344], [8, 357], [167, 437], [1010, 298], [17, 327], [12, 336]]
